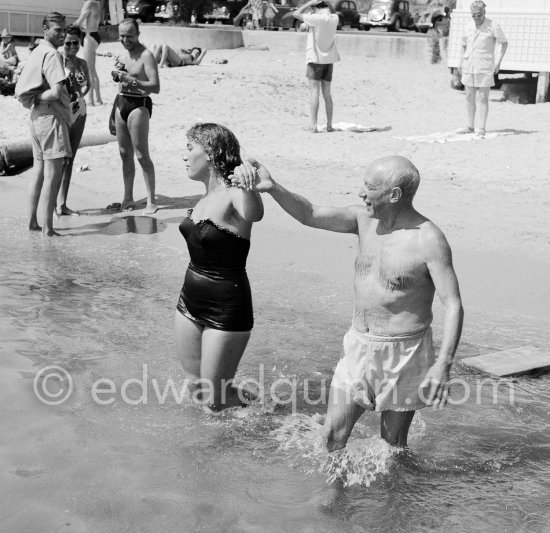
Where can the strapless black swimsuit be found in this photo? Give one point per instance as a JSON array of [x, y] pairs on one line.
[[216, 291]]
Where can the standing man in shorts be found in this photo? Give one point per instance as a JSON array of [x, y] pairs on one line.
[[138, 77], [321, 53], [388, 362], [89, 19], [43, 87], [478, 66]]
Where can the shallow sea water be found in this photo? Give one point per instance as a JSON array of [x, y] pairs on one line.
[[100, 303]]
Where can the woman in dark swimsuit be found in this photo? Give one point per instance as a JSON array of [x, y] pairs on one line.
[[214, 311]]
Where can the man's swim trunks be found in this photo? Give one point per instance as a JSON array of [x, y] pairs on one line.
[[384, 373], [126, 104], [216, 291], [318, 72], [96, 37]]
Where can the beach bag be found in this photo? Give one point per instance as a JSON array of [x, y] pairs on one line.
[[27, 96]]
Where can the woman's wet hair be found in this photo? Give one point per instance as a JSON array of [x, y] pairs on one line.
[[220, 144], [75, 30]]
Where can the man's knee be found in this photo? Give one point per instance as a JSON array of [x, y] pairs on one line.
[[125, 152], [143, 158]]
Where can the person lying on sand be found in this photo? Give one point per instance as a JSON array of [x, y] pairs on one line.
[[166, 56]]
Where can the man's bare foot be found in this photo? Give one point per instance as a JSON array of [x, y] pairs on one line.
[[465, 131], [151, 209], [313, 128], [330, 128], [127, 206], [50, 233], [64, 210], [33, 226]]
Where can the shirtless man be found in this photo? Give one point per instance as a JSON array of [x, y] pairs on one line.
[[89, 19], [388, 363], [138, 78]]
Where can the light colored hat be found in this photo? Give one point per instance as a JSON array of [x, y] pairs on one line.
[[5, 33]]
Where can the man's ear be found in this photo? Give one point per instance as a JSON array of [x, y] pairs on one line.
[[396, 194]]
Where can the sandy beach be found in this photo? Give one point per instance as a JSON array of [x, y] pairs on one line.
[[490, 197]]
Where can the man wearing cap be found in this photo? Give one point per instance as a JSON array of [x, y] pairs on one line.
[[43, 88], [8, 54], [478, 66], [321, 54]]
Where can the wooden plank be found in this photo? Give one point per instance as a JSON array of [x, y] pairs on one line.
[[542, 87], [513, 362]]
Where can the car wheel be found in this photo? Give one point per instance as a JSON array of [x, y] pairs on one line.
[[396, 26]]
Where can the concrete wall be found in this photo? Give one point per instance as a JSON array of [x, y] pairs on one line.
[[349, 44], [360, 44], [181, 37]]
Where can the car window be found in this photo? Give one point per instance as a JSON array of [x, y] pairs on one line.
[[352, 6]]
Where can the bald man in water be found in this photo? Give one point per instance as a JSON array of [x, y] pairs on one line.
[[388, 362]]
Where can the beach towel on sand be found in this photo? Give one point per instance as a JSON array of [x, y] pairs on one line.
[[349, 126], [452, 136]]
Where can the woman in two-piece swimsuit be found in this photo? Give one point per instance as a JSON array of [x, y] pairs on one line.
[[214, 313], [78, 81]]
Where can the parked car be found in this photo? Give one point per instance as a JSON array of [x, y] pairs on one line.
[[431, 16], [141, 9], [223, 11], [166, 10], [283, 18], [347, 14], [391, 14]]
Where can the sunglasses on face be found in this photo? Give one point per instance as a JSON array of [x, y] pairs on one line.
[[477, 15], [72, 43]]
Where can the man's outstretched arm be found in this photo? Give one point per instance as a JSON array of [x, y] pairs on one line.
[[254, 176]]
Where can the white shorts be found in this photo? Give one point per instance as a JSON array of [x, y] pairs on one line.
[[384, 373], [478, 80]]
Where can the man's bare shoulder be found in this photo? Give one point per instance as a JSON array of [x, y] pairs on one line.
[[433, 242]]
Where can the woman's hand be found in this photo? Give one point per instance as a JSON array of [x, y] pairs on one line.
[[252, 176]]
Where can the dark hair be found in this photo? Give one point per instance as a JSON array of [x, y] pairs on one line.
[[53, 17], [324, 4], [130, 22], [220, 144], [75, 30]]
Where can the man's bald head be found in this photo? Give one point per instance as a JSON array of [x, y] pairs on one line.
[[396, 171]]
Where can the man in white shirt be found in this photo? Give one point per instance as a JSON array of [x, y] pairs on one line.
[[478, 65], [42, 88], [321, 53]]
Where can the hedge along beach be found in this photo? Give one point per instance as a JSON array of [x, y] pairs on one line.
[[99, 304]]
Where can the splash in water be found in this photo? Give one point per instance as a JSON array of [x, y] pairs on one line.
[[360, 463]]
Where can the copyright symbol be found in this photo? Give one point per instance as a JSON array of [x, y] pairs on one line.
[[52, 385]]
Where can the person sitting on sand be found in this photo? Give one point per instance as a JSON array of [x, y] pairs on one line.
[[214, 312], [388, 362], [166, 56], [8, 54]]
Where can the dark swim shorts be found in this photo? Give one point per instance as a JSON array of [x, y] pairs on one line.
[[316, 71], [126, 104]]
